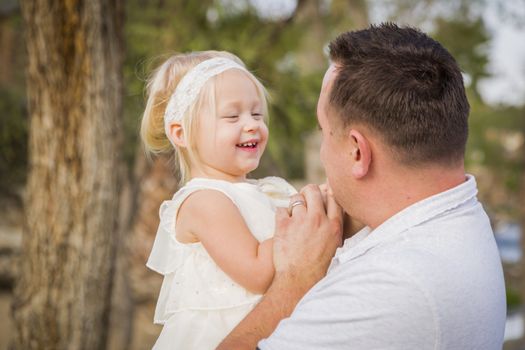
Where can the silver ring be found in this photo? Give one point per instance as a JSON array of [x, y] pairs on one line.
[[294, 204]]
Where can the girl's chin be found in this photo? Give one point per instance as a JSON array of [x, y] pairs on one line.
[[251, 168]]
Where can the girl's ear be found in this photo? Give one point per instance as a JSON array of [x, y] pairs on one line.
[[177, 134]]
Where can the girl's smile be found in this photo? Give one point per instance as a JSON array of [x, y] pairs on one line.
[[249, 146], [231, 139]]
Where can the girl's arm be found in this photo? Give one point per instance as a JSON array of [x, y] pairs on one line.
[[213, 219]]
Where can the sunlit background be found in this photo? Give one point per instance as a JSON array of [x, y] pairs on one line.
[[284, 43]]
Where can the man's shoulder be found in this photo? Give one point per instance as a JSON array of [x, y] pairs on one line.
[[367, 306], [434, 261], [378, 276]]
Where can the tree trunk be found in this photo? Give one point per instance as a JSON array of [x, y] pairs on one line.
[[154, 182], [62, 298]]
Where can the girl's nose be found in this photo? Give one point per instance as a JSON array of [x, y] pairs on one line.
[[251, 124]]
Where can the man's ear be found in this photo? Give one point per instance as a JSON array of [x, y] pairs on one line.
[[177, 134], [361, 154]]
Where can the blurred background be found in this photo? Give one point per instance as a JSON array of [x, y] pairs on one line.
[[79, 199]]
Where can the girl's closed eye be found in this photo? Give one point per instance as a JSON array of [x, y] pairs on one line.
[[231, 118], [257, 115]]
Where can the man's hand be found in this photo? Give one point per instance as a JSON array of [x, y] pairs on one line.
[[305, 242], [350, 225]]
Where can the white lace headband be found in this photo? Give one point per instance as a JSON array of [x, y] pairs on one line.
[[190, 86]]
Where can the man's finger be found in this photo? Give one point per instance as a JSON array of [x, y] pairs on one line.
[[324, 191], [314, 199], [297, 206], [333, 210]]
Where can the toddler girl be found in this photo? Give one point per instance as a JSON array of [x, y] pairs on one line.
[[213, 244]]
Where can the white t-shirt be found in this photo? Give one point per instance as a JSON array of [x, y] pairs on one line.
[[430, 277]]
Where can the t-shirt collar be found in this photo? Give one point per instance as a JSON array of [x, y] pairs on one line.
[[411, 216]]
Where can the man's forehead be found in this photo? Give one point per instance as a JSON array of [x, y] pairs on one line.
[[329, 76]]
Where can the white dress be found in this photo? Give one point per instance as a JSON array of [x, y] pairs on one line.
[[198, 303]]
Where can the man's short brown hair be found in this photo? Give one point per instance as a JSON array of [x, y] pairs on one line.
[[407, 87]]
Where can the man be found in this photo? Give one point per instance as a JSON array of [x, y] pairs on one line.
[[425, 272]]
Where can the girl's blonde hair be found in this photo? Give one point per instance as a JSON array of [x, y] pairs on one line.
[[161, 85]]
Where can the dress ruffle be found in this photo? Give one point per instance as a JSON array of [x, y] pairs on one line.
[[276, 188], [192, 280], [197, 283]]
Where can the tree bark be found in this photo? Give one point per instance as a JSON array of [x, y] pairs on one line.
[[62, 297]]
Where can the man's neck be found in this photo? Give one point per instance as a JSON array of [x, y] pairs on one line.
[[407, 187]]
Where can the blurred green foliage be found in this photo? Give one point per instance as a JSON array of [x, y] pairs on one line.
[[468, 42], [13, 105], [286, 53], [491, 127], [513, 299], [13, 139], [153, 32]]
